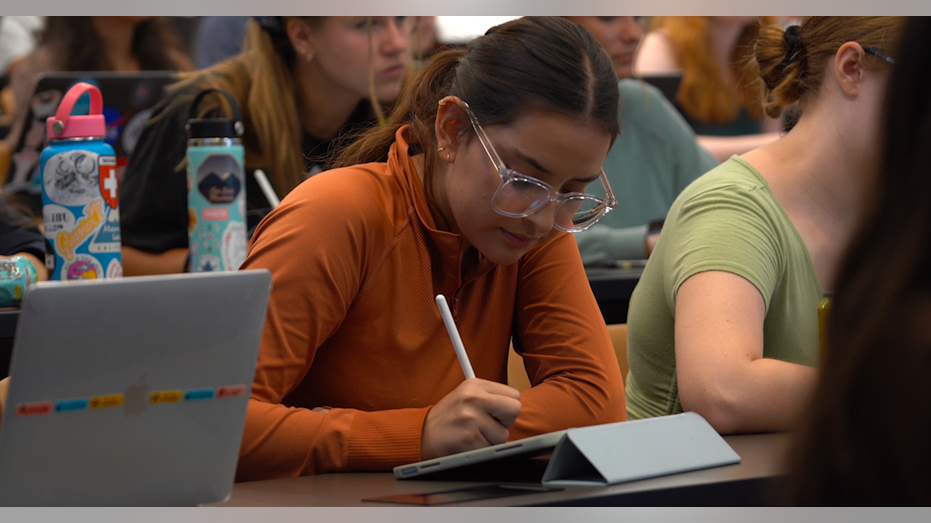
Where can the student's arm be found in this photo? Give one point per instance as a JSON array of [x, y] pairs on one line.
[[602, 243], [731, 256], [561, 335], [21, 236], [656, 56], [137, 262], [41, 271], [720, 367]]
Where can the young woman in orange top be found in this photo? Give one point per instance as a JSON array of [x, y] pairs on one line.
[[470, 190]]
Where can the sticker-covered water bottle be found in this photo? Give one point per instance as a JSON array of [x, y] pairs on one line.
[[216, 189], [80, 193]]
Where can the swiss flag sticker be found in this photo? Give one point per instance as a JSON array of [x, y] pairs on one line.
[[109, 184]]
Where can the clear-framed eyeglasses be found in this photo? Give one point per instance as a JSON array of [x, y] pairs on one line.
[[520, 195], [879, 55]]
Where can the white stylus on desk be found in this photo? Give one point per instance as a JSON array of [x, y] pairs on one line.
[[454, 336], [266, 187]]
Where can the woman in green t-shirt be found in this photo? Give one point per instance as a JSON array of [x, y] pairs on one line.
[[724, 319]]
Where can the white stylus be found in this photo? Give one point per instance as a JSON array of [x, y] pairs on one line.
[[266, 188], [454, 336]]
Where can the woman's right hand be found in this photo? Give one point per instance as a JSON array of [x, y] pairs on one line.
[[476, 414]]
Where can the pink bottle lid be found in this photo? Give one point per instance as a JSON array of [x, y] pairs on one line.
[[66, 125]]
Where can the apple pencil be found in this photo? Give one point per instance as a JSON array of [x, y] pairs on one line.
[[266, 188], [454, 335]]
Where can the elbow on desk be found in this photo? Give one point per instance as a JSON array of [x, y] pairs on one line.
[[720, 406]]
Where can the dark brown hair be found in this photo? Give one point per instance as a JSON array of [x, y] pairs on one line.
[[783, 80], [75, 44], [533, 63], [865, 439]]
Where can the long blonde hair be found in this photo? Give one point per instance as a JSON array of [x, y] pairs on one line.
[[703, 94], [260, 78]]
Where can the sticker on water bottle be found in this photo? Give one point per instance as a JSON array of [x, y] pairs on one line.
[[67, 241], [218, 179], [108, 181], [114, 269], [82, 267], [71, 178], [208, 263], [56, 219], [107, 238], [234, 245]]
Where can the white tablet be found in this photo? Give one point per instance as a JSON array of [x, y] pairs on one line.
[[526, 447]]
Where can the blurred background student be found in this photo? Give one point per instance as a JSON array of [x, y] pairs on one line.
[[716, 94], [302, 84], [653, 159], [95, 43], [723, 321], [865, 437]]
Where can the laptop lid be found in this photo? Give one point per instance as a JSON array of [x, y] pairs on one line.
[[131, 392], [526, 447], [668, 84], [128, 100]]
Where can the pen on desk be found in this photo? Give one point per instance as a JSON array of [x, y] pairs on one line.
[[266, 188], [454, 336]]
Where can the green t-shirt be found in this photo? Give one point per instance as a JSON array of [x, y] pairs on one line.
[[653, 159], [728, 220]]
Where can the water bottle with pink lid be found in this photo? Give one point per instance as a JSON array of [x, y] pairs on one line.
[[80, 193]]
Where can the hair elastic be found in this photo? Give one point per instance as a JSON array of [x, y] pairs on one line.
[[793, 41], [272, 25]]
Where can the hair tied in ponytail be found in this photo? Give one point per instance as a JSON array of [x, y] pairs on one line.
[[792, 41]]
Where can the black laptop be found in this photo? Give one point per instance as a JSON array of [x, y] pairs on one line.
[[667, 83]]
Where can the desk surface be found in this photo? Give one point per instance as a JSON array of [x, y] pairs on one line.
[[743, 484]]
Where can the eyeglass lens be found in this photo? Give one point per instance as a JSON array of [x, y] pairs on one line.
[[518, 196]]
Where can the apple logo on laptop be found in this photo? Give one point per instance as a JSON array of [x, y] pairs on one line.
[[135, 398]]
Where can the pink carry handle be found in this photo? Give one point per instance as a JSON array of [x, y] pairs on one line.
[[66, 125]]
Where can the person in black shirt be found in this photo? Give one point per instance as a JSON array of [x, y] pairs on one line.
[[304, 86]]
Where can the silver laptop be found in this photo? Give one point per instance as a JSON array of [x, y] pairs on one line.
[[131, 392], [526, 447]]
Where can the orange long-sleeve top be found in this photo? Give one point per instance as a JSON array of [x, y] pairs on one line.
[[352, 325]]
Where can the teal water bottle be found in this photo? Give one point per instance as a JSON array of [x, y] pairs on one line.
[[80, 204], [216, 189]]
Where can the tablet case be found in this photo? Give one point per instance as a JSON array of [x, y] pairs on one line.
[[639, 449]]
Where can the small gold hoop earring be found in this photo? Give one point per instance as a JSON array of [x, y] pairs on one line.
[[441, 149]]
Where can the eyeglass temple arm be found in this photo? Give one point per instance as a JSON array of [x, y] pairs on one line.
[[483, 138]]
